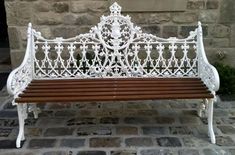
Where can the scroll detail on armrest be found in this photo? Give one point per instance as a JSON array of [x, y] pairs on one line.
[[20, 77], [207, 72]]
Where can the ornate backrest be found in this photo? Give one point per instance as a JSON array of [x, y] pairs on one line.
[[115, 48]]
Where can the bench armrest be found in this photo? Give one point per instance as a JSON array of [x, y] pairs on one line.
[[206, 71], [20, 77]]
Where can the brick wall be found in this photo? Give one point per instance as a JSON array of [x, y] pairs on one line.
[[67, 18]]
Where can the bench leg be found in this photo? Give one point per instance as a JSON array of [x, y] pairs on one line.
[[203, 108], [33, 108], [22, 115], [210, 121]]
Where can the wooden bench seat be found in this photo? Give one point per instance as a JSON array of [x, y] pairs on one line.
[[113, 89]]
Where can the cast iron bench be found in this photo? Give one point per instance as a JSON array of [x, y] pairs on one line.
[[115, 61]]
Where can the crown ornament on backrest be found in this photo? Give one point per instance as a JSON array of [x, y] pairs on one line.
[[115, 9]]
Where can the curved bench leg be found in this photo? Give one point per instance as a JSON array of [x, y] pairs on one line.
[[210, 121], [22, 115]]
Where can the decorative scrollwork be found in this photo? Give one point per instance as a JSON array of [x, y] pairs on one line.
[[115, 48], [21, 76], [207, 72]]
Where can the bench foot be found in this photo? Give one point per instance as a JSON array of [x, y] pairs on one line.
[[22, 115], [210, 121]]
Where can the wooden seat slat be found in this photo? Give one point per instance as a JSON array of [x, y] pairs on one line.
[[114, 79], [112, 85], [113, 92], [117, 89], [112, 98], [116, 82]]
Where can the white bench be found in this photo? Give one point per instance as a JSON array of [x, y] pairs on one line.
[[114, 61]]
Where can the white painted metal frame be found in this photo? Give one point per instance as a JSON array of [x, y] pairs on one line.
[[117, 49]]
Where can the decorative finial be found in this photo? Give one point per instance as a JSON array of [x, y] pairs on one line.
[[30, 25], [115, 9], [199, 23]]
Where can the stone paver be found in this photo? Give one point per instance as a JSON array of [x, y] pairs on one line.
[[131, 128]]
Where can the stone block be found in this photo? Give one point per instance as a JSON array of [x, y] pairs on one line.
[[7, 144], [94, 130], [219, 42], [169, 142], [58, 132], [81, 120], [180, 130], [224, 141], [227, 13], [155, 30], [16, 58], [86, 6], [65, 113], [195, 4], [169, 31], [91, 153], [41, 143], [35, 132], [56, 153], [190, 120], [48, 18], [24, 12], [188, 152], [208, 16], [138, 120], [185, 17], [232, 36], [42, 6], [152, 5], [212, 4], [220, 31], [139, 141], [14, 39], [86, 19], [126, 130], [60, 7], [155, 130], [69, 19], [165, 120], [8, 122], [109, 120], [72, 143], [124, 152], [5, 132], [159, 152], [227, 129], [65, 32], [105, 142], [11, 13], [150, 18], [51, 122], [213, 151]]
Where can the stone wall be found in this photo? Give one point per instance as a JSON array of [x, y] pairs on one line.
[[67, 18]]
